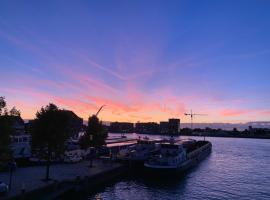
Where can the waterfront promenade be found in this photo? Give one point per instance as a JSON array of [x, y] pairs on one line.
[[30, 178]]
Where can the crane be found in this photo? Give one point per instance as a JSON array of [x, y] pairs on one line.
[[191, 114], [99, 110]]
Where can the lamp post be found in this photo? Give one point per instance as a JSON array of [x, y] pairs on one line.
[[12, 167], [91, 153]]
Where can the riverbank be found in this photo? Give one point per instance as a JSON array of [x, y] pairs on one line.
[[202, 134], [228, 136], [64, 177]]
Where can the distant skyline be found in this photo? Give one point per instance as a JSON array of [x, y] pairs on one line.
[[146, 60]]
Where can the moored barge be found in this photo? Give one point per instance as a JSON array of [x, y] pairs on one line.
[[178, 156]]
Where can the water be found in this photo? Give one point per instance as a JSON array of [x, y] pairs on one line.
[[237, 168]]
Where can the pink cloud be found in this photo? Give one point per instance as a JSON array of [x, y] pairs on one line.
[[233, 112], [93, 83], [265, 112], [115, 106], [76, 104]]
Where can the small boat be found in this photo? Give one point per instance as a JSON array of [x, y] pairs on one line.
[[178, 156], [118, 140]]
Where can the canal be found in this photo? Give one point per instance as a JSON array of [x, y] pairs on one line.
[[238, 168]]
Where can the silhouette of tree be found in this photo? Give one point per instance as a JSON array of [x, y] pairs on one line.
[[5, 132], [14, 112], [2, 104], [186, 131], [95, 134], [49, 134], [235, 130]]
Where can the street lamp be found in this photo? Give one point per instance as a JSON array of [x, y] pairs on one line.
[[12, 167], [91, 154]]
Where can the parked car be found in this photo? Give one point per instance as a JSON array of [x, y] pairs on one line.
[[3, 188], [72, 158]]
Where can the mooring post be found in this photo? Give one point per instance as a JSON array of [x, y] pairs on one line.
[[23, 191], [55, 185], [78, 181]]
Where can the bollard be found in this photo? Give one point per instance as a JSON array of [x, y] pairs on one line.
[[86, 184], [55, 185], [78, 181], [23, 191], [86, 178]]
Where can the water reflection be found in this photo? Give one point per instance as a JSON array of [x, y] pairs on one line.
[[238, 168]]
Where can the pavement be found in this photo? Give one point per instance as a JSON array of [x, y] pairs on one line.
[[31, 177]]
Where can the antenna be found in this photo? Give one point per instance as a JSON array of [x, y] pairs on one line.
[[191, 114]]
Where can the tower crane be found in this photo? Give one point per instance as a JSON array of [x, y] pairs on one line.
[[191, 114], [99, 110]]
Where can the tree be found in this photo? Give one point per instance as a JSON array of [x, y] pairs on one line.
[[2, 104], [5, 132], [95, 134], [49, 134], [235, 130], [15, 112]]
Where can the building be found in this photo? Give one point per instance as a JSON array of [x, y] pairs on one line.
[[174, 126], [20, 139], [164, 127], [147, 128], [170, 127], [121, 127]]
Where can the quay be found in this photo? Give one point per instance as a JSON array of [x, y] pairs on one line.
[[64, 177]]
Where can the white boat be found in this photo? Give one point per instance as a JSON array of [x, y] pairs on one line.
[[178, 156]]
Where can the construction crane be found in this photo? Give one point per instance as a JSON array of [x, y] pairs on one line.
[[191, 114], [99, 110]]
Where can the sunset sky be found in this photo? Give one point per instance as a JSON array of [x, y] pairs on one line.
[[146, 60]]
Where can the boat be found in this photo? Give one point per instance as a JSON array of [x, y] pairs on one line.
[[178, 156], [139, 152], [118, 140]]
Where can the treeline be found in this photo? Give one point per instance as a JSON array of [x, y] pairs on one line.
[[49, 131]]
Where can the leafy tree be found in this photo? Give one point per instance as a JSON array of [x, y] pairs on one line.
[[49, 134], [5, 132], [186, 131], [2, 104], [14, 112], [95, 134], [235, 130]]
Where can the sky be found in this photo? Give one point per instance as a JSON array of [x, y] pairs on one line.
[[145, 60]]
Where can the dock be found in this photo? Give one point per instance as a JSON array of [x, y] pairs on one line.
[[64, 177]]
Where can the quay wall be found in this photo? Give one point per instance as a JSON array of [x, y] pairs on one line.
[[100, 174]]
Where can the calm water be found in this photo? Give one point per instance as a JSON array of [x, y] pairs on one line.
[[236, 169]]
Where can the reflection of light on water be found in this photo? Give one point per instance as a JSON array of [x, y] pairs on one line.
[[98, 197]]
